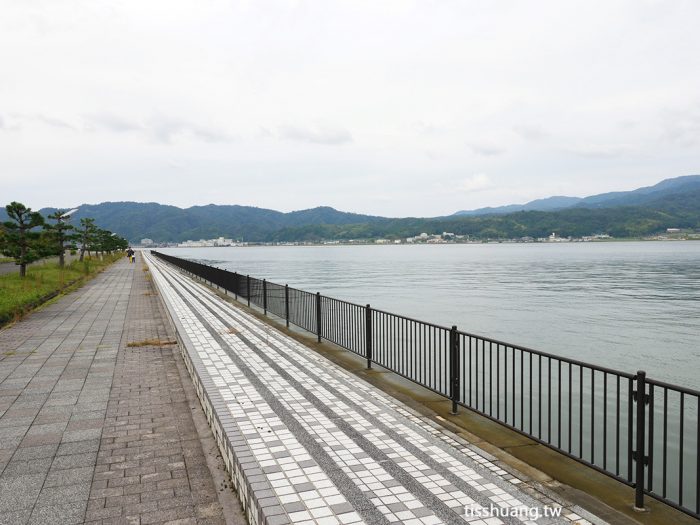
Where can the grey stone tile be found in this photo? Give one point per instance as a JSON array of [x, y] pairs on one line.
[[64, 493], [50, 428], [10, 442], [34, 466], [74, 461], [41, 451], [58, 514], [15, 517], [81, 435], [78, 447], [10, 432], [19, 492], [69, 476]]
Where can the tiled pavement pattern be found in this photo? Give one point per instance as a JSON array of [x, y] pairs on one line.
[[307, 442], [91, 429]]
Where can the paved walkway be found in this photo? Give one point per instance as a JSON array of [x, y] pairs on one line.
[[309, 443], [92, 430]]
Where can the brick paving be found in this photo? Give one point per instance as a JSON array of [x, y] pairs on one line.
[[92, 430], [307, 442]]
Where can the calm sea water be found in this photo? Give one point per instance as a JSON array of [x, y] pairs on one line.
[[628, 306]]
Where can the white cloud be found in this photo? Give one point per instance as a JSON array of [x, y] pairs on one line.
[[316, 135], [112, 122], [487, 150], [333, 101], [598, 151], [475, 183], [530, 132], [166, 129]]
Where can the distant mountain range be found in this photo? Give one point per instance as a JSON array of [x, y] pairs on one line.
[[604, 200], [673, 203]]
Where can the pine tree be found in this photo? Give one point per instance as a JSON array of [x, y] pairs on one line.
[[21, 241], [87, 236], [59, 235]]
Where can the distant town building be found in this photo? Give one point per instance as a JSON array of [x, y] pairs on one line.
[[210, 243], [673, 230]]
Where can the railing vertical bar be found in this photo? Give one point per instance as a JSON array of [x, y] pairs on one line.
[[630, 428], [476, 371], [498, 381], [580, 412], [570, 407], [264, 284], [454, 368], [368, 335], [680, 450], [592, 416], [490, 378], [640, 434], [617, 429], [513, 382], [605, 420], [522, 396], [318, 316], [549, 399], [483, 376], [650, 469], [665, 445], [539, 396], [530, 397], [559, 403]]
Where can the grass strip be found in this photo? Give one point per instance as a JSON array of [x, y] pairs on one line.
[[44, 282]]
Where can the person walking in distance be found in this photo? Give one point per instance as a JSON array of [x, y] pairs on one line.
[[130, 254]]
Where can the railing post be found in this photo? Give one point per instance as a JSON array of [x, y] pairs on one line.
[[247, 288], [286, 304], [638, 455], [454, 368], [368, 334], [235, 285], [265, 296], [318, 316]]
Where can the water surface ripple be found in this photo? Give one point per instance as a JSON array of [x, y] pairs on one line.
[[623, 305]]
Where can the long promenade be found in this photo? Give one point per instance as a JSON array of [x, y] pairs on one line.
[[308, 442], [98, 417]]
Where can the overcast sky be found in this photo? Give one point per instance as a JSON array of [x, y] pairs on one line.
[[385, 107]]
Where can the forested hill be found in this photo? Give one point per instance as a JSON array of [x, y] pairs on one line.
[[638, 197], [674, 203], [674, 211], [135, 220]]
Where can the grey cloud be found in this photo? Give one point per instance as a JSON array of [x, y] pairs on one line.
[[165, 129], [52, 121], [112, 123], [319, 135], [683, 127], [9, 125], [48, 120], [487, 150], [530, 132], [597, 151]]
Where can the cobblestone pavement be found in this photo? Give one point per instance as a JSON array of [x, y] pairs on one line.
[[92, 429], [307, 442]]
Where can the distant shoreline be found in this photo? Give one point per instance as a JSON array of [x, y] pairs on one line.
[[473, 243]]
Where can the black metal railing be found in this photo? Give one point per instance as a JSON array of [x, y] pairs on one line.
[[642, 432]]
